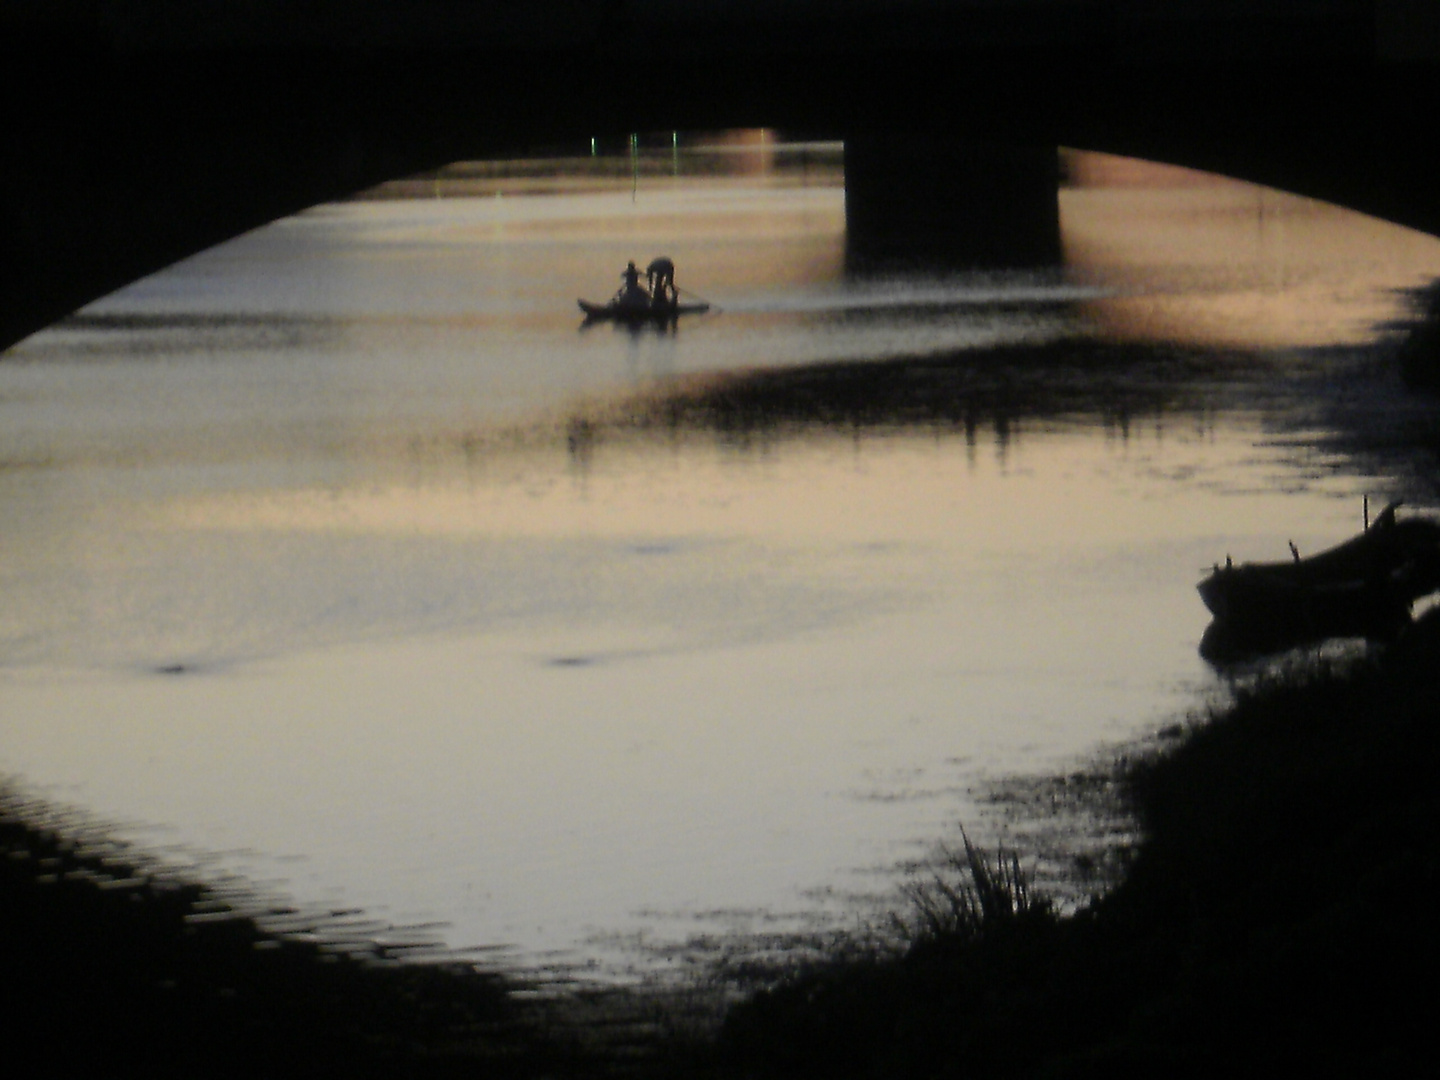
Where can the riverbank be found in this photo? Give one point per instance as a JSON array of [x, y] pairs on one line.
[[1279, 912]]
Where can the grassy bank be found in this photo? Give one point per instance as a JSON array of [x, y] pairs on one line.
[[1279, 912]]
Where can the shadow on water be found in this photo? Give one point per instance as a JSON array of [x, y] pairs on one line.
[[118, 964], [635, 329], [166, 975], [1002, 388], [1227, 646], [103, 335], [1344, 408]]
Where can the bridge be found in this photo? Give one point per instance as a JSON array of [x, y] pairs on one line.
[[136, 132]]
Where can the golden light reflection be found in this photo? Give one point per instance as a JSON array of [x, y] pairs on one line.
[[819, 491], [1206, 260]]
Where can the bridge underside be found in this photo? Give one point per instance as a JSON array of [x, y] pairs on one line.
[[117, 163], [949, 203]]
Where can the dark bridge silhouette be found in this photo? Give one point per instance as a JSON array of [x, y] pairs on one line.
[[136, 132]]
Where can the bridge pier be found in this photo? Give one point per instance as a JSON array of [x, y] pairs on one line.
[[943, 203]]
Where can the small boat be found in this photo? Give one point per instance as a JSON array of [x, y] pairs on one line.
[[653, 311], [657, 301], [1364, 587]]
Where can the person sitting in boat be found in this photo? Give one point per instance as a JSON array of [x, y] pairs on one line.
[[632, 293], [661, 276]]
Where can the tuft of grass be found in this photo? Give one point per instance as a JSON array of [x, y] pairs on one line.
[[967, 895]]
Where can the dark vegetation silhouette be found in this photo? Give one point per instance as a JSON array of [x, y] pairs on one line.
[[113, 966], [1278, 916], [1419, 347], [111, 969], [997, 387]]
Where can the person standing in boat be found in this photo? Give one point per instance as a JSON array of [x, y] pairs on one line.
[[661, 276]]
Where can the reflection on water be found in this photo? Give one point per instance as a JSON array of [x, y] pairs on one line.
[[1200, 259], [339, 549]]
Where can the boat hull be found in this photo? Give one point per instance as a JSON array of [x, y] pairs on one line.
[[638, 313], [1364, 587], [1254, 597]]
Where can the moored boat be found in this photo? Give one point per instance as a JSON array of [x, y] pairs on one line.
[[1364, 587]]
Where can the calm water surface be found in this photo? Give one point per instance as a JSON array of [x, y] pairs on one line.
[[337, 556]]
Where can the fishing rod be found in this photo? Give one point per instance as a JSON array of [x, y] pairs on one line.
[[687, 292]]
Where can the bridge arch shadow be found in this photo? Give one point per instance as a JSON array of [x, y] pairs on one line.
[[142, 157]]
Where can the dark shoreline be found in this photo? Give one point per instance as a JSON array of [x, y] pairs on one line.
[[117, 966], [1278, 914], [113, 967]]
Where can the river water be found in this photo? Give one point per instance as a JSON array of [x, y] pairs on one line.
[[342, 557]]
